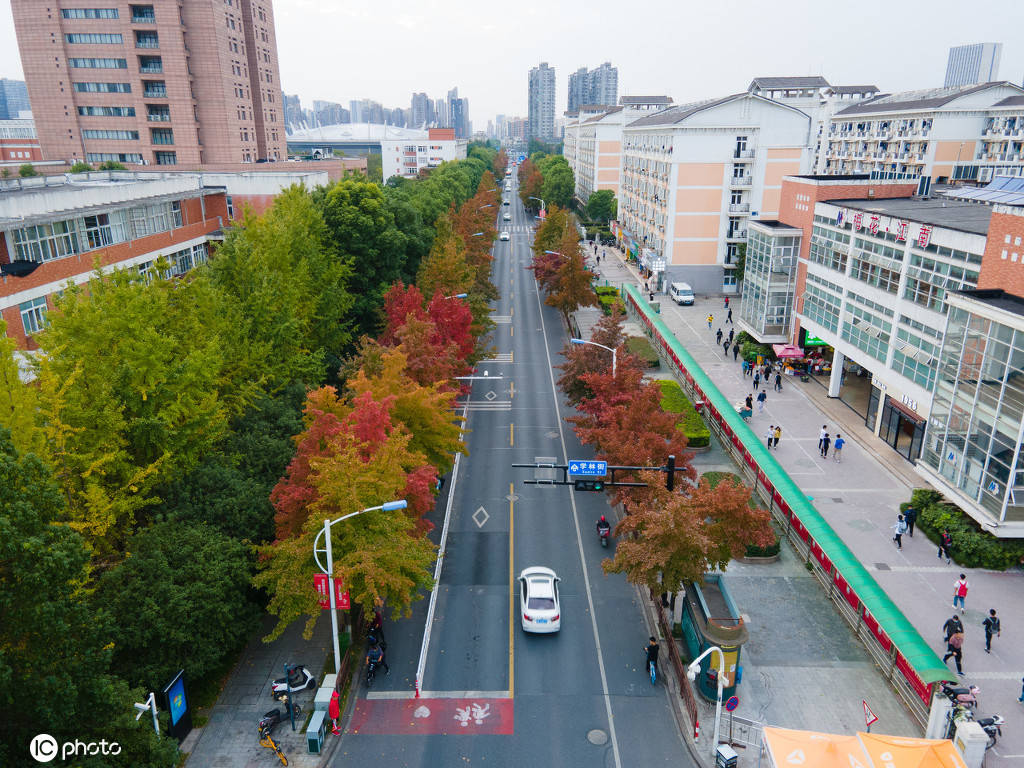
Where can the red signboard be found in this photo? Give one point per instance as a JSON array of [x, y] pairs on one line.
[[341, 596]]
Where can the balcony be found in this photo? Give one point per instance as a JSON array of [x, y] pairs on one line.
[[743, 154], [736, 234], [151, 69], [739, 208], [155, 93], [144, 18]]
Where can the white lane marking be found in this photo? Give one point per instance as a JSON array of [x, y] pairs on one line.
[[579, 544], [395, 695], [422, 664]]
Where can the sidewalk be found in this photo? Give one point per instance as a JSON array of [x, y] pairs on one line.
[[229, 739], [860, 498]]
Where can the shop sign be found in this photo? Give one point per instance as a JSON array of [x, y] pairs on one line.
[[858, 221], [924, 236], [901, 230], [814, 341], [909, 401]]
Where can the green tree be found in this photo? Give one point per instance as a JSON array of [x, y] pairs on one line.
[[602, 206], [375, 168], [182, 599], [80, 167], [741, 262], [53, 643], [112, 165], [27, 171], [362, 229], [18, 400]]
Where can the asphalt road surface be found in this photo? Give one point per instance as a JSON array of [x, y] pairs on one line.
[[579, 697]]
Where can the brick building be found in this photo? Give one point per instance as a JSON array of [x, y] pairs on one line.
[[157, 83], [18, 143]]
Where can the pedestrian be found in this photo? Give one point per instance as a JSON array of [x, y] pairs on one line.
[[821, 436], [910, 515], [954, 648], [604, 254], [945, 542], [770, 435], [778, 381], [991, 625], [651, 297], [334, 712], [726, 302], [952, 626], [1021, 698], [960, 592], [750, 402], [718, 336], [757, 379], [736, 351], [711, 319], [837, 455], [826, 441], [725, 347], [899, 528], [745, 364], [761, 397], [778, 435], [728, 317], [731, 332]]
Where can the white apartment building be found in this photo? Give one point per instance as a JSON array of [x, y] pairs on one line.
[[407, 156], [815, 96], [693, 175], [942, 133]]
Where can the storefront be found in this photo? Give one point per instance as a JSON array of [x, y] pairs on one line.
[[900, 426]]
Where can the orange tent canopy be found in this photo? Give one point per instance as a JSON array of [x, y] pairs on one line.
[[803, 749]]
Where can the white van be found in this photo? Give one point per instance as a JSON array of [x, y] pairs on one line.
[[681, 293]]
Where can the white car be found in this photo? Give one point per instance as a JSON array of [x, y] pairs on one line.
[[504, 236], [538, 600], [504, 202], [508, 217]]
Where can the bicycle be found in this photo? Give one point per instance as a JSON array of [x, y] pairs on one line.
[[264, 726]]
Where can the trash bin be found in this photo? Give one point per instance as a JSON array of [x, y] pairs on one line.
[[316, 732], [725, 757]]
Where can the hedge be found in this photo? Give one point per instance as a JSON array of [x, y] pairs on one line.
[[972, 546], [641, 347], [692, 424], [714, 478]]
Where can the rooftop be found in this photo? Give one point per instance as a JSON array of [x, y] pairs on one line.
[[834, 176], [626, 100], [781, 83], [938, 212], [997, 298], [1004, 190], [1011, 101], [681, 112], [841, 89], [773, 224], [361, 132], [924, 99]]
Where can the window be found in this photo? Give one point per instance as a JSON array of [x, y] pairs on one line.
[[89, 13], [158, 113], [33, 315], [106, 111], [176, 211], [166, 158], [117, 157], [94, 38], [142, 14], [162, 135], [147, 40], [103, 87], [111, 135], [98, 63], [231, 207], [104, 229], [151, 219], [44, 242], [154, 89], [151, 65]]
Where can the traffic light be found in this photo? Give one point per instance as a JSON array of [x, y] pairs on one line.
[[589, 485]]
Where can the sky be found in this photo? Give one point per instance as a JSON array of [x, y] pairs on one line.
[[385, 50]]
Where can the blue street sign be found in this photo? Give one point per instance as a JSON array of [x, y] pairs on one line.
[[732, 703], [521, 158], [587, 468]]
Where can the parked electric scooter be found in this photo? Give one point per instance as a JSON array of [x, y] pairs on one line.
[[298, 679], [959, 695]]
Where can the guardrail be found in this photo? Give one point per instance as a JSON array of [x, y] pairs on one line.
[[907, 662], [685, 691]]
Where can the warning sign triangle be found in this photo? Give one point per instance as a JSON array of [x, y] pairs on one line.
[[869, 716]]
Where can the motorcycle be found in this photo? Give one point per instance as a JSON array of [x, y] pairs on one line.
[[958, 695], [991, 727], [604, 534], [298, 679]]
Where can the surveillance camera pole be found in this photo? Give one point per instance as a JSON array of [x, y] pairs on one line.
[[691, 673]]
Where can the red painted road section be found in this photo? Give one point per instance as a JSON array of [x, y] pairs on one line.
[[452, 717]]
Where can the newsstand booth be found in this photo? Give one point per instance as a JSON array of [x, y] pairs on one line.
[[803, 749]]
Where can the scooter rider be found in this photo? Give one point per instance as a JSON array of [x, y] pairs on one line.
[[652, 652], [375, 656], [603, 527]]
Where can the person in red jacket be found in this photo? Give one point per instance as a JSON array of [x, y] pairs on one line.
[[334, 712]]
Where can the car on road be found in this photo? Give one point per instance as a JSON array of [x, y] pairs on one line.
[[504, 202], [504, 235], [538, 594], [508, 217]]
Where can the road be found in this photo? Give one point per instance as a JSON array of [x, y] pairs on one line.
[[576, 698]]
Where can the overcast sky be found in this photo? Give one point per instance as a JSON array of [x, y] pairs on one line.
[[385, 50]]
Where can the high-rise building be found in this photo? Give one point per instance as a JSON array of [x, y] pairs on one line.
[[972, 64], [596, 86], [603, 84], [161, 82], [441, 113], [294, 115], [421, 109], [541, 97], [579, 87], [13, 98]]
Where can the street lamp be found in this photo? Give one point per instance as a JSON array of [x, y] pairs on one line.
[[531, 197], [329, 569], [489, 205], [602, 346], [691, 673], [457, 296]]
